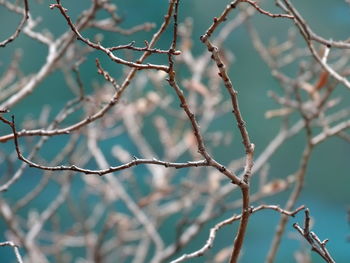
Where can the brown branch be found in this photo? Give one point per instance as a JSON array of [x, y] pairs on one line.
[[146, 48], [28, 88], [212, 234], [344, 44], [316, 244], [195, 127], [111, 169], [98, 46], [264, 12], [62, 115], [106, 75], [249, 147], [218, 20], [308, 35], [200, 196], [19, 27], [300, 178]]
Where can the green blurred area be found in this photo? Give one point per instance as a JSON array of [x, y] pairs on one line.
[[328, 177]]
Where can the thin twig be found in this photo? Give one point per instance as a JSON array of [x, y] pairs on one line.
[[212, 235], [316, 244], [19, 27], [15, 249]]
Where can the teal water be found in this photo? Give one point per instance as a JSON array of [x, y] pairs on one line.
[[328, 179]]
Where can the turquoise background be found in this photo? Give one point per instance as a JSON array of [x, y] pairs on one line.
[[328, 177]]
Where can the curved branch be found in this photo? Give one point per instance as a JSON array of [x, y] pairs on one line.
[[19, 27]]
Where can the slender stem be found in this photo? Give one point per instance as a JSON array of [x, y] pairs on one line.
[[246, 211]]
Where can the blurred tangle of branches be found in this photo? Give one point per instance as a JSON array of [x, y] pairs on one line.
[[126, 137]]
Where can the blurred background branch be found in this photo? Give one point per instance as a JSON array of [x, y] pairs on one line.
[[131, 137]]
